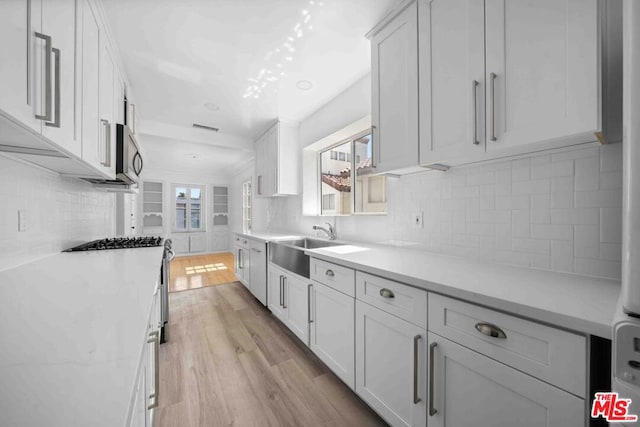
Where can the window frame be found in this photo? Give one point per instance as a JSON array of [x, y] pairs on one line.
[[351, 155], [203, 208]]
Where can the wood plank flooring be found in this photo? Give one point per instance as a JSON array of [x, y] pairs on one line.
[[229, 362], [197, 271]]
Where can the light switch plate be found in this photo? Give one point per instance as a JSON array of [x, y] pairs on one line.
[[416, 220]]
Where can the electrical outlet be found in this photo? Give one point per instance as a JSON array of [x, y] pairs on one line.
[[416, 220], [22, 220]]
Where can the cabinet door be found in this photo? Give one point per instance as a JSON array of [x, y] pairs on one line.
[[138, 412], [471, 390], [275, 294], [259, 271], [107, 126], [260, 165], [332, 331], [394, 72], [391, 360], [451, 79], [91, 129], [180, 243], [198, 243], [19, 21], [59, 22], [296, 301], [238, 263], [544, 56]]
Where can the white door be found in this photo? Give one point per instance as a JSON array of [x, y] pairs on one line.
[[394, 72], [91, 129], [332, 331], [391, 361], [472, 390], [542, 71], [451, 79], [19, 21], [59, 21], [276, 293], [259, 271], [296, 301]]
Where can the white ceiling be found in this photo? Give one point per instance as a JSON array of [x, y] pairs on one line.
[[179, 55]]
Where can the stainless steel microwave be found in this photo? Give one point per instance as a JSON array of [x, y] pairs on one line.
[[129, 162]]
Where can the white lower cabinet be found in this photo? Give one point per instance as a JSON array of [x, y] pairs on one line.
[[189, 243], [289, 301], [391, 361], [258, 270], [332, 330], [472, 390]]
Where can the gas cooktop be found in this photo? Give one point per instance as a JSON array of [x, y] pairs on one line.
[[118, 243]]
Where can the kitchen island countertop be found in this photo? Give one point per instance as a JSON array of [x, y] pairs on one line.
[[72, 331]]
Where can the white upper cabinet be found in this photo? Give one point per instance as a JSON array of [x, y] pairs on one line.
[[19, 21], [61, 90], [542, 71], [277, 161], [496, 78], [59, 22], [451, 79], [394, 69]]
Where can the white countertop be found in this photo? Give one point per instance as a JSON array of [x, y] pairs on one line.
[[579, 303], [72, 331], [266, 236]]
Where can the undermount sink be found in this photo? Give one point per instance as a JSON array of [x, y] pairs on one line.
[[289, 254], [308, 243]]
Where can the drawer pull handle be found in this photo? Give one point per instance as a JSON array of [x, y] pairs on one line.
[[386, 293], [490, 330], [330, 273]]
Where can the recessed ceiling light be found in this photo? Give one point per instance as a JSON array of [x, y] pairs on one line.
[[304, 85], [211, 106]]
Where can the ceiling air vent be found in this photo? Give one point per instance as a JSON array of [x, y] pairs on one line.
[[196, 125]]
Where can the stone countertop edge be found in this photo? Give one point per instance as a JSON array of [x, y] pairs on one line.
[[577, 303]]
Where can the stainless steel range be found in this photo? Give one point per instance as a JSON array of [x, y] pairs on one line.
[[118, 243]]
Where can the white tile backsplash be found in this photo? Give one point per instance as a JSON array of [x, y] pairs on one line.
[[559, 211], [60, 212]]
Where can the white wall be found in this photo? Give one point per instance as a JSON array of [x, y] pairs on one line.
[[60, 213], [559, 212]]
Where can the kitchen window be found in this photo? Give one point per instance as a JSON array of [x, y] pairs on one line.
[[189, 207], [347, 186]]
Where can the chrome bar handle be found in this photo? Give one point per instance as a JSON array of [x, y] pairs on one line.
[[29, 81], [373, 144], [309, 288], [284, 291], [56, 67], [47, 91], [432, 347], [474, 110], [281, 285], [490, 330], [259, 185], [106, 161], [492, 107], [154, 337], [416, 399]]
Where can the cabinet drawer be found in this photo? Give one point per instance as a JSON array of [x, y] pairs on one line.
[[553, 355], [396, 298], [335, 276]]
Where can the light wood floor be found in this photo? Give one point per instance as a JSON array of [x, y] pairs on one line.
[[197, 271], [229, 362]]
